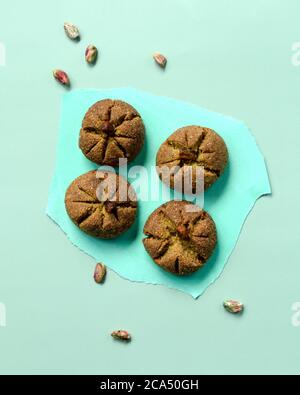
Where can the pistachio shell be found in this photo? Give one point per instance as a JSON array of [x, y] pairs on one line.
[[160, 59], [233, 306], [91, 54], [100, 272], [61, 76], [121, 335], [71, 30]]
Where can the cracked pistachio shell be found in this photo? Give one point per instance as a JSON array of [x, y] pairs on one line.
[[71, 30], [100, 272], [121, 335], [233, 306], [91, 54]]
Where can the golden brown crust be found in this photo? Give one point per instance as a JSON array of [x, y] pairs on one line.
[[193, 146], [96, 208], [180, 240], [111, 129]]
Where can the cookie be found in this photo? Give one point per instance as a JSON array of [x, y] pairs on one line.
[[111, 129], [180, 237], [192, 147], [101, 203]]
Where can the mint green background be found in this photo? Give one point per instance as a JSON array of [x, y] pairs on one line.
[[229, 56]]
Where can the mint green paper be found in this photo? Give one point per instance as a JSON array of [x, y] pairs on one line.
[[229, 201]]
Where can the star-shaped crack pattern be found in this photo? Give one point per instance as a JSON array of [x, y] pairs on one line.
[[107, 215], [111, 129], [187, 149], [180, 238]]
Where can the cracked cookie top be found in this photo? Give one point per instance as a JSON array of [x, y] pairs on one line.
[[111, 129], [180, 237], [196, 149], [101, 203]]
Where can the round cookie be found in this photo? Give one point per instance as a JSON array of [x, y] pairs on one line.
[[101, 203], [192, 147], [180, 237], [111, 129]]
